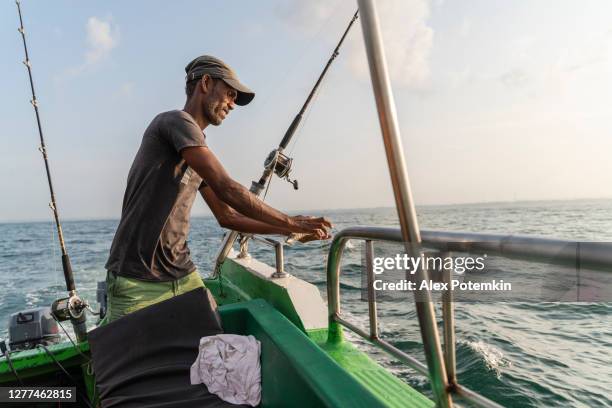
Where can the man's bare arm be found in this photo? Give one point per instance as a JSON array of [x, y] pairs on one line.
[[206, 164], [232, 219]]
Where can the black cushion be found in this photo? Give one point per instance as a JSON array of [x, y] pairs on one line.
[[143, 359]]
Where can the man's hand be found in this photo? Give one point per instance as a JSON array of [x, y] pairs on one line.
[[303, 238], [313, 227]]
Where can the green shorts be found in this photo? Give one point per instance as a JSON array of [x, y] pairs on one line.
[[127, 295]]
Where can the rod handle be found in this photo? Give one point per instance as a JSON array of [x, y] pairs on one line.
[[290, 131], [68, 273]]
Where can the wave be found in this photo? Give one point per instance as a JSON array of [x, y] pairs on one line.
[[493, 357]]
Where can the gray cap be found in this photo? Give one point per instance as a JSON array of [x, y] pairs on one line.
[[216, 68]]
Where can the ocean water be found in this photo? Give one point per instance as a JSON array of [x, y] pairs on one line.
[[529, 354]]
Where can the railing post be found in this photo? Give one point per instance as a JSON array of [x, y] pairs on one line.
[[334, 329], [372, 310], [280, 261], [278, 253], [448, 318], [403, 196]]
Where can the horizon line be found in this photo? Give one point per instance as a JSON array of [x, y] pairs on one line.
[[460, 204]]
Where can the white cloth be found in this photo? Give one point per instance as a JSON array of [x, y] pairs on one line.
[[229, 366]]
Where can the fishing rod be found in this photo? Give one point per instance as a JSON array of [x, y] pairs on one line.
[[277, 162], [71, 308]]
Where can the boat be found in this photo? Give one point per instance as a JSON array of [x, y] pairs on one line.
[[307, 360]]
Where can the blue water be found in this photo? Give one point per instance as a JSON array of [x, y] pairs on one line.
[[519, 354]]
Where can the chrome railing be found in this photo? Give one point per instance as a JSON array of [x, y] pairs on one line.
[[592, 255], [450, 384], [279, 259]]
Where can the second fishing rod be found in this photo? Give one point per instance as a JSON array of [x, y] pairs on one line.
[[71, 307]]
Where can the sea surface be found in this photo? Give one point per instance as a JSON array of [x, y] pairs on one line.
[[520, 354]]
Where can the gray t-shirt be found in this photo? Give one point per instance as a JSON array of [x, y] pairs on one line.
[[151, 239]]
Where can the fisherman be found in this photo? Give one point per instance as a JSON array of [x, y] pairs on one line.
[[149, 259]]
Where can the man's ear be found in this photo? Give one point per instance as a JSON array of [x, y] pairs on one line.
[[206, 83]]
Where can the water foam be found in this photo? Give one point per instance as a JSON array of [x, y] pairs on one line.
[[492, 356]]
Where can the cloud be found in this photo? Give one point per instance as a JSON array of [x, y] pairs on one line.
[[594, 50], [305, 16], [408, 42], [102, 37], [514, 78], [408, 39]]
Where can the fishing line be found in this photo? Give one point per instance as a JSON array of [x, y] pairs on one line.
[[308, 113], [270, 178], [70, 338], [70, 377], [54, 258], [6, 354]]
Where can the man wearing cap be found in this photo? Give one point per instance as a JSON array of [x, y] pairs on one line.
[[149, 259]]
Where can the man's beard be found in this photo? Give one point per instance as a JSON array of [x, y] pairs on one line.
[[209, 114]]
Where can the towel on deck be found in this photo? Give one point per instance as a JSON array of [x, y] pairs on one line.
[[228, 364]]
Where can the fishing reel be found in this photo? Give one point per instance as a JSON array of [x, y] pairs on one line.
[[69, 308], [72, 308], [281, 165]]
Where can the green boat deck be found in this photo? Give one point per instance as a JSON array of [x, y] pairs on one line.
[[295, 367], [295, 371], [229, 288]]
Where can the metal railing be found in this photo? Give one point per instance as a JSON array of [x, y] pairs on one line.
[[279, 260], [593, 255], [449, 384]]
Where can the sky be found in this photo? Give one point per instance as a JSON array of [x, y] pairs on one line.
[[496, 101]]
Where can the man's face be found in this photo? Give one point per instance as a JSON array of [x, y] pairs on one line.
[[219, 101]]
